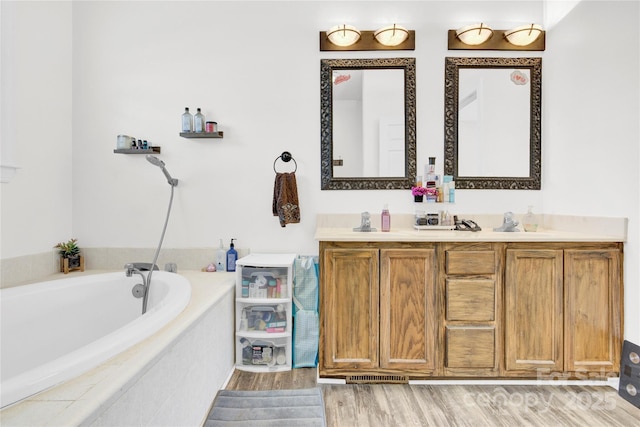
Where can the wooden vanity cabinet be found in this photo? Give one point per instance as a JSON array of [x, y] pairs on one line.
[[471, 285], [377, 310], [476, 310], [563, 312]]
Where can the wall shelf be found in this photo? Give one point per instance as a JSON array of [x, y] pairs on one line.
[[137, 151], [218, 134]]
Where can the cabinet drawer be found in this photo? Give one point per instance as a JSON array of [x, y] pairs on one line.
[[470, 262], [470, 347], [470, 299]]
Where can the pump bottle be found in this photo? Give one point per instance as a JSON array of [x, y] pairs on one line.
[[530, 221], [220, 258], [232, 257]]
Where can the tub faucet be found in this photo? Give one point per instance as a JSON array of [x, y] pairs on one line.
[[139, 291]]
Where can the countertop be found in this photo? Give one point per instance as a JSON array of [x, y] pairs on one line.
[[410, 235], [554, 228]]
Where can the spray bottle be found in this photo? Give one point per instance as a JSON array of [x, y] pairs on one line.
[[220, 258], [232, 257]]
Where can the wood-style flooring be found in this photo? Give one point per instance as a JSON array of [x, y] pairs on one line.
[[398, 405]]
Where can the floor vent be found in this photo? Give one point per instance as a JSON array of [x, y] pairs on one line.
[[377, 379]]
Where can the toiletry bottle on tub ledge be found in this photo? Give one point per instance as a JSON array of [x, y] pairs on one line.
[[221, 257], [232, 257]]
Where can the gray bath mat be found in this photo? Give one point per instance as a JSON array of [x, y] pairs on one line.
[[300, 408]]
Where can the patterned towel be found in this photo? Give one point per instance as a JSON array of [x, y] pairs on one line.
[[285, 199]]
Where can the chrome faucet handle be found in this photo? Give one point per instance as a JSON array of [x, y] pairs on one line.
[[365, 223], [509, 224], [129, 269]]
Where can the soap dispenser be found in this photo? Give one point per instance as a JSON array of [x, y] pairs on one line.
[[220, 258], [232, 257], [530, 221]]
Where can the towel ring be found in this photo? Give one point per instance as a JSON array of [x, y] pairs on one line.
[[285, 157]]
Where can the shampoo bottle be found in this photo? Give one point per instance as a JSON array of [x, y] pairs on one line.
[[220, 258], [232, 257], [385, 219]]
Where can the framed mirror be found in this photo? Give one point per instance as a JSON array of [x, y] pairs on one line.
[[493, 122], [368, 123]]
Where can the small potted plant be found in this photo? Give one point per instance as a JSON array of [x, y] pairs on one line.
[[70, 257], [418, 193]]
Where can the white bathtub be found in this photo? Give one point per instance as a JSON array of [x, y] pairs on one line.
[[56, 330]]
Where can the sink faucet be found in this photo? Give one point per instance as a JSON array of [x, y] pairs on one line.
[[509, 224]]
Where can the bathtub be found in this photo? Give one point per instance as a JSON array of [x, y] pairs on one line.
[[56, 330]]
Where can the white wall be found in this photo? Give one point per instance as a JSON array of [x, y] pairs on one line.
[[254, 68], [36, 126], [591, 94], [135, 75]]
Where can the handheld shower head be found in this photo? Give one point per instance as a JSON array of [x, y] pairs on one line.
[[157, 162]]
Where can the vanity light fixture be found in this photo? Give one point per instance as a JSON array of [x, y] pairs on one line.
[[482, 37], [393, 35], [475, 34], [523, 35], [343, 35], [348, 38]]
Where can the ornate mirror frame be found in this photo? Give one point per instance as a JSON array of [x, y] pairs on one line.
[[452, 68], [328, 181]]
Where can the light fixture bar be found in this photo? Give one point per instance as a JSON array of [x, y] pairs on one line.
[[497, 42], [367, 42]]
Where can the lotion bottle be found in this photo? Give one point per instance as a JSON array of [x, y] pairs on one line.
[[232, 257], [385, 218], [220, 258]]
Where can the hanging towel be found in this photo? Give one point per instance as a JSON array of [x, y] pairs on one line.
[[285, 199]]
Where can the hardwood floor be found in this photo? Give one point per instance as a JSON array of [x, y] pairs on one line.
[[453, 405]]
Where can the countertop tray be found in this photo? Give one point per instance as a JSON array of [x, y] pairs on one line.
[[434, 227]]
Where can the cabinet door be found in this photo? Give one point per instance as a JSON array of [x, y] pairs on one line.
[[593, 310], [534, 311], [408, 310], [349, 310]]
